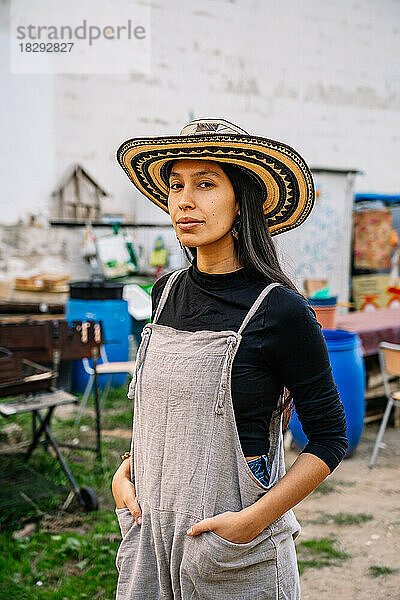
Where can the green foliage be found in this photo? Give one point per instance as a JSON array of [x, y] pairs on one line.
[[67, 565], [329, 486], [377, 571], [75, 562], [351, 519], [318, 553], [341, 518]]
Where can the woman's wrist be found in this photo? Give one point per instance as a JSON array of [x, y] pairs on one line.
[[254, 519], [124, 469], [306, 473]]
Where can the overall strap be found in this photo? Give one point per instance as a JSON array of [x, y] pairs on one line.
[[166, 291], [256, 304]]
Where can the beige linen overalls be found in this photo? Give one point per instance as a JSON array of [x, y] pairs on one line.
[[188, 465]]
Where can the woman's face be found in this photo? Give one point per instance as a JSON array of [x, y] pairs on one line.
[[201, 202]]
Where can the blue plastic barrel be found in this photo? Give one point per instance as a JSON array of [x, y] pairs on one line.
[[345, 355], [101, 302]]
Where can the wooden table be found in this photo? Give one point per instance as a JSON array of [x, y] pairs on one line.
[[372, 327]]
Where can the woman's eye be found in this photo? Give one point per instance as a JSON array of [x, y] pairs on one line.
[[206, 183]]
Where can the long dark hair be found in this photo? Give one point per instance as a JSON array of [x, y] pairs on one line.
[[254, 246]]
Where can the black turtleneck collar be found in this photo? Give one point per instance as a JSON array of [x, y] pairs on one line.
[[218, 280]]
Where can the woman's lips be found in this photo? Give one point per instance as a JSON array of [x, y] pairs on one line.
[[190, 225]]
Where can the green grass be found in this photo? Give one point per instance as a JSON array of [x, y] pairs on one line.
[[76, 561], [318, 553], [351, 518], [341, 518], [66, 565], [331, 485], [377, 571]]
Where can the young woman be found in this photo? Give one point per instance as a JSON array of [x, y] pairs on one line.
[[204, 504]]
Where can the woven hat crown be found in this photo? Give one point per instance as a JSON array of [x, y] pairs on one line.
[[217, 126]]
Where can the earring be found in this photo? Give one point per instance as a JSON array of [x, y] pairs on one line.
[[235, 228]]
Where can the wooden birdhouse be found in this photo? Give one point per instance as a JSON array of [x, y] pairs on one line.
[[78, 198]]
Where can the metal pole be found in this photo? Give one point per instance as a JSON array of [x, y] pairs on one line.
[[95, 354]]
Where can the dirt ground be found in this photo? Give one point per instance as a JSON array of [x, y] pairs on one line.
[[356, 493]]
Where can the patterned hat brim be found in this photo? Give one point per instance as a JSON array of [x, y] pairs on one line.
[[287, 181]]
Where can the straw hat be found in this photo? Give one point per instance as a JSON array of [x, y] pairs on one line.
[[285, 179]]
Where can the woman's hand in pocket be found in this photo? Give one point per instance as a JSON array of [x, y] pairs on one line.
[[124, 491], [232, 526]]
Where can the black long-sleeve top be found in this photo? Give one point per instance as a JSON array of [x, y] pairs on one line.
[[281, 345]]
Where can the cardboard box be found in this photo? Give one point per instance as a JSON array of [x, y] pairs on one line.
[[370, 292]]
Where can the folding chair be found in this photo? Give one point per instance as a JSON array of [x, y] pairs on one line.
[[103, 368], [389, 359]]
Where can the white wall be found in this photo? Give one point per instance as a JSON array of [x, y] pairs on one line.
[[27, 132], [322, 76], [321, 247]]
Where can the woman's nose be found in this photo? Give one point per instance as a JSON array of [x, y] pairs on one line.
[[186, 198]]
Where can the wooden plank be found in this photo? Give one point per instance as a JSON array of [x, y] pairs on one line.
[[24, 318], [39, 402], [373, 418], [397, 416]]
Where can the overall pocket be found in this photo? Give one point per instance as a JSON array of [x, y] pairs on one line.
[[220, 556], [125, 520], [129, 531]]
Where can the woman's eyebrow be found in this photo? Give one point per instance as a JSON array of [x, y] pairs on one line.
[[197, 174]]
